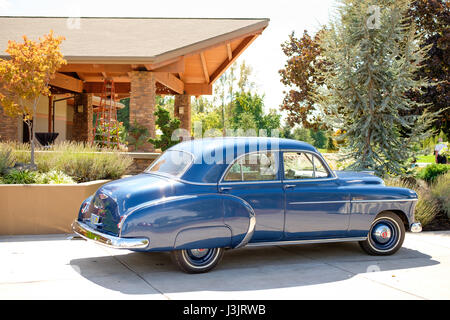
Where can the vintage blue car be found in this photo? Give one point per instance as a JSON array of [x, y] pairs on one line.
[[203, 196]]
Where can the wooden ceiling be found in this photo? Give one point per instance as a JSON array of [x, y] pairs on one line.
[[192, 73]]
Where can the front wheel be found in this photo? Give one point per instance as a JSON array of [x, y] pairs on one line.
[[197, 260], [385, 236]]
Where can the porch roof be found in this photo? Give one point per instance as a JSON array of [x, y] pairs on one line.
[[188, 54]]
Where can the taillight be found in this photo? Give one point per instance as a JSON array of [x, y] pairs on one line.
[[85, 207]]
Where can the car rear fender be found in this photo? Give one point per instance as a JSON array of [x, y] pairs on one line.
[[204, 220]]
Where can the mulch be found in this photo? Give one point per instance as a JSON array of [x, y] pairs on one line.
[[441, 222]]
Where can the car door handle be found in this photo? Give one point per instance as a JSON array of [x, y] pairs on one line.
[[289, 186], [224, 189]]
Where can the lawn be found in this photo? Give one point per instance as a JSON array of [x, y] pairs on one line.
[[426, 159]]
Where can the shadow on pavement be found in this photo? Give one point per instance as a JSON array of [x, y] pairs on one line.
[[255, 268]]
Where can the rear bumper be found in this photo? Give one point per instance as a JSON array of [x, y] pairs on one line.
[[415, 227], [89, 233]]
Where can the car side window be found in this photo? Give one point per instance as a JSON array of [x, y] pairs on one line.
[[254, 167], [303, 165]]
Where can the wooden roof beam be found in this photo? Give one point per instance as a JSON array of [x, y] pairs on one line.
[[96, 68], [229, 52], [198, 89], [67, 82], [172, 65], [205, 67], [170, 81], [123, 89], [235, 54]]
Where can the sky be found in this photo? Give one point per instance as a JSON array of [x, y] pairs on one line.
[[264, 55]]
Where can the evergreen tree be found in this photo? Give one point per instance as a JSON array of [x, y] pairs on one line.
[[167, 127], [374, 51]]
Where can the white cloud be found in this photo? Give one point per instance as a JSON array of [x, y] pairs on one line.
[[4, 5]]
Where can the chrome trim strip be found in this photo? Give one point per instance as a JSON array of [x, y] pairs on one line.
[[384, 200], [283, 243], [250, 182], [250, 231], [321, 202], [334, 176], [354, 201], [310, 180], [88, 233]]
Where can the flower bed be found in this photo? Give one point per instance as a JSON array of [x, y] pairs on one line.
[[46, 198], [67, 162]]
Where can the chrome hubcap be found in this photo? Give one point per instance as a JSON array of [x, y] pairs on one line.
[[199, 253], [382, 233]]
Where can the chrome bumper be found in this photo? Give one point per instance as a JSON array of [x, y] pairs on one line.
[[88, 233], [415, 227]]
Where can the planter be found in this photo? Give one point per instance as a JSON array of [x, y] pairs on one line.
[[42, 208]]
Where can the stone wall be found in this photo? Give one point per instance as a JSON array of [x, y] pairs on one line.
[[141, 160]]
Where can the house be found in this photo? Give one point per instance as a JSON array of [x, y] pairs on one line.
[[144, 57]]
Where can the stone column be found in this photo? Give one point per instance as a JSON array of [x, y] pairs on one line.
[[9, 127], [82, 118], [182, 111], [142, 103]]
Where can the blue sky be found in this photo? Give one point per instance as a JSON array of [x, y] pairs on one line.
[[264, 55]]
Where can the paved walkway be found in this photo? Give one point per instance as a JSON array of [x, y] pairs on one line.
[[51, 267]]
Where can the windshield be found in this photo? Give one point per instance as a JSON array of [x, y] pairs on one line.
[[171, 162]]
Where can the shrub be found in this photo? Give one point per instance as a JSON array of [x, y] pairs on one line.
[[80, 161], [7, 159], [20, 177], [430, 172], [54, 177], [440, 189], [427, 207]]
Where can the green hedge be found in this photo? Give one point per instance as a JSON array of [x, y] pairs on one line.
[[430, 172]]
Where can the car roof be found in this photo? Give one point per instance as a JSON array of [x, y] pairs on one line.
[[212, 156]]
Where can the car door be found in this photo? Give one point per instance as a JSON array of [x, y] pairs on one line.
[[316, 206], [255, 178]]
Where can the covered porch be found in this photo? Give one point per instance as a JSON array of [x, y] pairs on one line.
[[144, 57]]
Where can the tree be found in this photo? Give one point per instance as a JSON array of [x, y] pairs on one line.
[[303, 134], [432, 17], [374, 54], [26, 76], [302, 72], [137, 135], [167, 127], [319, 137]]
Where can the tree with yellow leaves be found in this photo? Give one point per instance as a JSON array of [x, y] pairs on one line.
[[25, 77]]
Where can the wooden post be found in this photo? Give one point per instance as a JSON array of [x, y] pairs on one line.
[[50, 110]]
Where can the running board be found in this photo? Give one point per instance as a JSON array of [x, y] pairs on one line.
[[284, 243]]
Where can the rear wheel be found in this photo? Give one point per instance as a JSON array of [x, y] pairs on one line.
[[385, 236], [197, 260]]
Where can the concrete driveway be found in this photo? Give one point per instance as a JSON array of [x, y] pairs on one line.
[[51, 267]]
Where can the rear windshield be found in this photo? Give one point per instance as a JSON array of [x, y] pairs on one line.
[[171, 162]]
